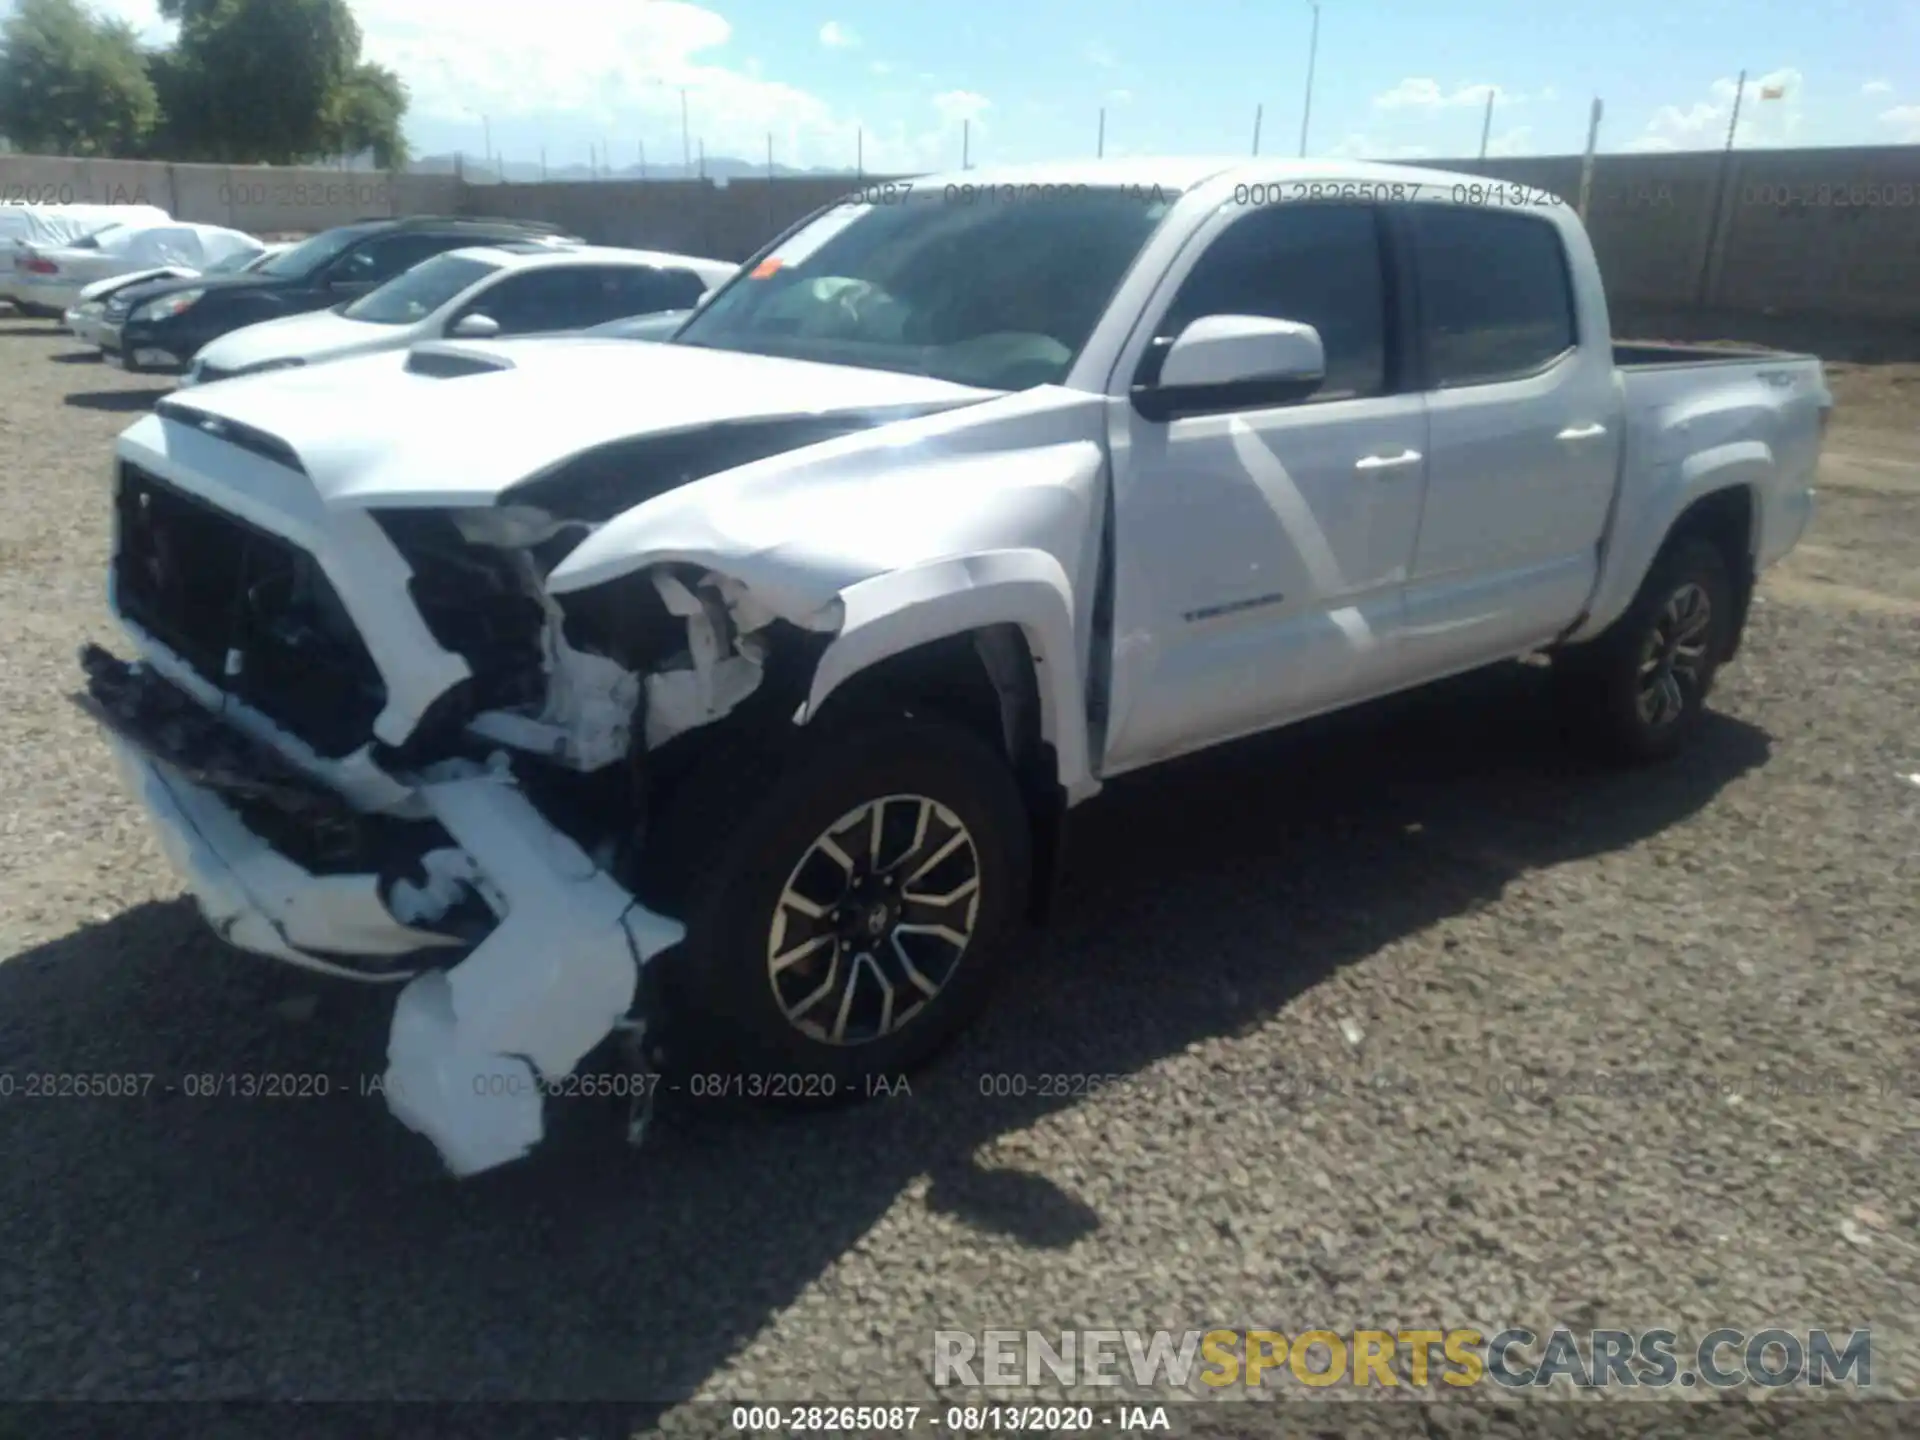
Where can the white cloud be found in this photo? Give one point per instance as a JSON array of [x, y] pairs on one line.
[[1702, 125], [611, 72], [879, 67], [836, 36], [1877, 87], [1119, 97], [1549, 94], [1905, 120], [1099, 56], [1421, 93]]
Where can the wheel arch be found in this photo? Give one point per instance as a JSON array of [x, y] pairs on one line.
[[987, 640], [1713, 494]]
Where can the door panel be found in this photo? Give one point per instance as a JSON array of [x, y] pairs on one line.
[[1260, 554], [1261, 566], [1524, 427]]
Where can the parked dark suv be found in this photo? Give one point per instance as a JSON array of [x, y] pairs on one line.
[[156, 328]]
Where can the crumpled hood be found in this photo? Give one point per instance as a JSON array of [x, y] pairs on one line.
[[370, 432], [98, 289]]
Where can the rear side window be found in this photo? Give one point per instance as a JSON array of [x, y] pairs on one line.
[[1317, 264], [1495, 299]]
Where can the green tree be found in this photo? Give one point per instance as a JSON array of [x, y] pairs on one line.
[[366, 113], [257, 80], [71, 84]]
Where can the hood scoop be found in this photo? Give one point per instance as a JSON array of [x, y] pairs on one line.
[[445, 361]]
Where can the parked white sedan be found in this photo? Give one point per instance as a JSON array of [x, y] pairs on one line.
[[474, 293], [86, 317], [48, 278], [56, 225]]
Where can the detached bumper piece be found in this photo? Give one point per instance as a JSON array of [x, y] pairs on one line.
[[279, 865], [554, 974]]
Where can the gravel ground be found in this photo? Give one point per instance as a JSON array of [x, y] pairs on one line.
[[1318, 962]]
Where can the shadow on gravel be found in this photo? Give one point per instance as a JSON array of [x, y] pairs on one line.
[[77, 357], [116, 401], [180, 1246]]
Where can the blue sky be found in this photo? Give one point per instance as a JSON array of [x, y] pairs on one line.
[[1395, 78]]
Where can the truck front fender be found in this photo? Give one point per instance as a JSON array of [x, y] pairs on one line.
[[898, 611], [1645, 522]]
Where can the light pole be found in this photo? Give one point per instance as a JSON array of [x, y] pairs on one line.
[[686, 145], [486, 131], [1313, 50]]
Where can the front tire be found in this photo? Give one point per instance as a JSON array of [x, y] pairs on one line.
[[1636, 694], [845, 913]]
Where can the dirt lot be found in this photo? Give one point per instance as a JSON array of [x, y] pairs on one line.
[[1320, 962]]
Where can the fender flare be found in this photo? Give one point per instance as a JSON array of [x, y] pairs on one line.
[[1741, 464], [898, 611]]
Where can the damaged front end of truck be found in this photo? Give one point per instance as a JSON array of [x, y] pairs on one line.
[[377, 744]]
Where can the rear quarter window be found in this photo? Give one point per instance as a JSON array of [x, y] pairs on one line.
[[1496, 295]]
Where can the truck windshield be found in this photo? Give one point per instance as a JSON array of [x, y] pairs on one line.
[[995, 288], [417, 293]]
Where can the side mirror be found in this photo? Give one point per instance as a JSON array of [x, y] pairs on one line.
[[475, 327], [1231, 362]]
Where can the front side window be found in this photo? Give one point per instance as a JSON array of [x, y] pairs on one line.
[[1495, 300], [980, 289], [310, 254], [410, 298], [378, 261], [550, 298], [1317, 264]]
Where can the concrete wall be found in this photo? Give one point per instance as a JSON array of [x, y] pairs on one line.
[[263, 199], [1830, 233], [1833, 234], [694, 217]]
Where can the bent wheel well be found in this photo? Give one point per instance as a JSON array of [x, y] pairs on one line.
[[986, 680]]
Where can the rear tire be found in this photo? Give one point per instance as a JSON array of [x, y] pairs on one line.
[[1636, 693], [827, 949]]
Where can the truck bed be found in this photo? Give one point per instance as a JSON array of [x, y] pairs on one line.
[[1647, 354]]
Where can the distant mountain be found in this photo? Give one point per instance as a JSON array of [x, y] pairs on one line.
[[521, 172]]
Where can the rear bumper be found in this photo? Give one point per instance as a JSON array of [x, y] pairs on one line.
[[548, 946], [45, 292]]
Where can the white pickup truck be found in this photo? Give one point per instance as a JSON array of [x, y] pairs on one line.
[[728, 694]]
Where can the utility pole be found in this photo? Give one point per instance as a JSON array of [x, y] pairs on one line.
[[1486, 125], [543, 164], [643, 159], [703, 158], [860, 153], [1586, 163], [1313, 51], [1739, 92], [1100, 145], [966, 144], [1257, 112], [1719, 197], [686, 145]]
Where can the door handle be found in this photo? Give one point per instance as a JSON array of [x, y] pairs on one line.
[[1582, 432], [1388, 462]]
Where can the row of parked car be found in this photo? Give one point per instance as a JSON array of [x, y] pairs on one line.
[[157, 296]]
